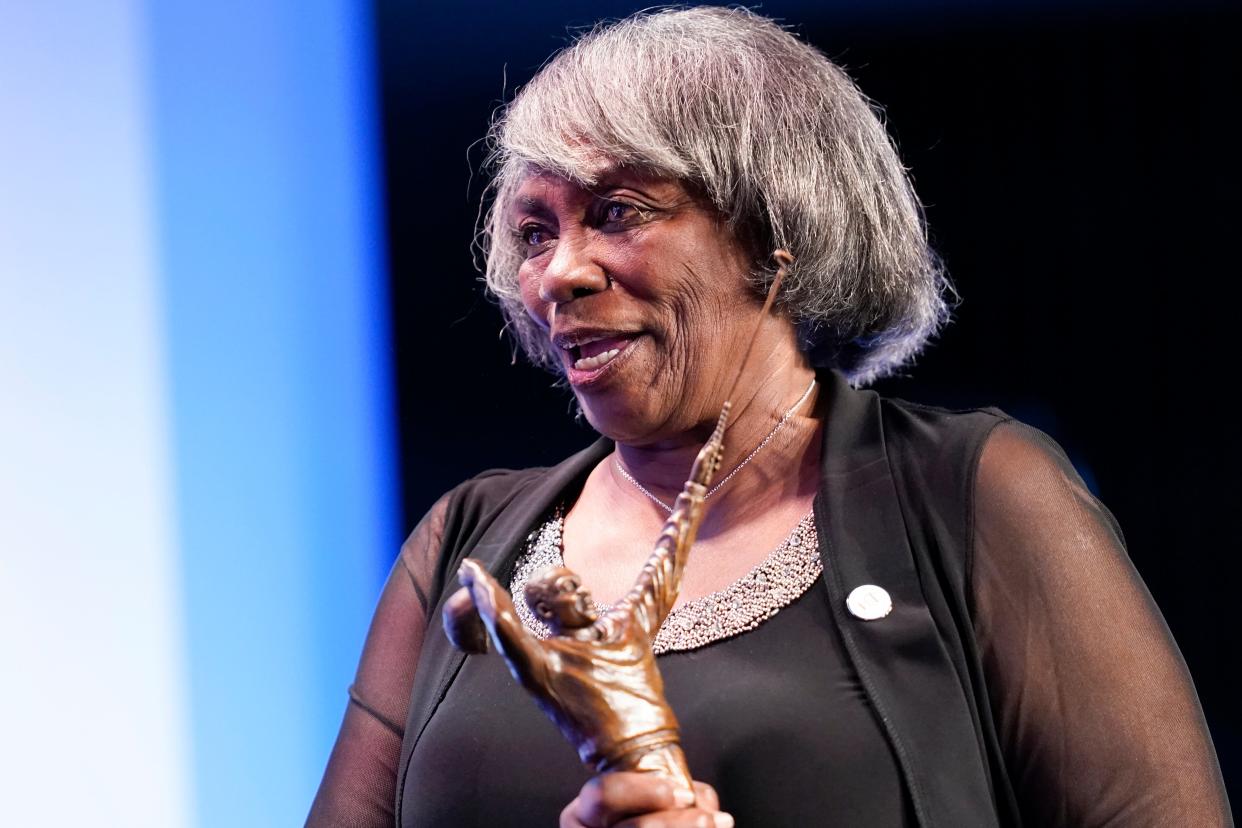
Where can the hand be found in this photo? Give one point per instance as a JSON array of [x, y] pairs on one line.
[[481, 586], [642, 800], [463, 624]]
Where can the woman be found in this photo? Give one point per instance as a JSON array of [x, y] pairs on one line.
[[893, 615]]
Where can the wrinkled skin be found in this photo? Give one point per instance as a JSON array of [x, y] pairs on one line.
[[638, 257]]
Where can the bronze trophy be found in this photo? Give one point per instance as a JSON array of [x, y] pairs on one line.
[[596, 676]]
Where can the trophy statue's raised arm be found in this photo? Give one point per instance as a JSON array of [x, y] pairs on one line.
[[596, 675]]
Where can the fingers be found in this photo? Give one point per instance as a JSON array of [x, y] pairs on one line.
[[611, 796], [688, 818], [642, 800], [568, 816], [705, 797], [706, 813]]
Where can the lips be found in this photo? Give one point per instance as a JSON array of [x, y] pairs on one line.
[[590, 353]]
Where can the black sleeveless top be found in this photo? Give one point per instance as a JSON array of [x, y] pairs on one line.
[[775, 719]]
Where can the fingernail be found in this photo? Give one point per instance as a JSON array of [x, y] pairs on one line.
[[683, 798], [722, 820]]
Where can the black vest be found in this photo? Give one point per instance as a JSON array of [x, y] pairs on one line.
[[893, 509]]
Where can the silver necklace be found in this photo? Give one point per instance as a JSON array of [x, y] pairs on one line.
[[779, 425]]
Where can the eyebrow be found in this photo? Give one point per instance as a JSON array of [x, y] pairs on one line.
[[531, 205], [616, 178], [535, 205], [620, 176]]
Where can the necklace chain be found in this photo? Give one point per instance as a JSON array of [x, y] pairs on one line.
[[779, 425]]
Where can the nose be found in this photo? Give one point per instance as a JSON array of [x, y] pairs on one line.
[[572, 273]]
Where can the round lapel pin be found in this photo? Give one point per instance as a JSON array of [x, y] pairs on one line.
[[869, 602]]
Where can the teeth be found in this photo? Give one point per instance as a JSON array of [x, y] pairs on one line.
[[569, 346], [597, 361]]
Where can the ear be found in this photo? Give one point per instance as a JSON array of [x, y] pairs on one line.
[[543, 610]]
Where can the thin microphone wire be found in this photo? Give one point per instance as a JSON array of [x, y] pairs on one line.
[[785, 259]]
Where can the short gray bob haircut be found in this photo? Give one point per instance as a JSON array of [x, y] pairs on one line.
[[774, 136]]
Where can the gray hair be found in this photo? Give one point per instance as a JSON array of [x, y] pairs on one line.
[[774, 135]]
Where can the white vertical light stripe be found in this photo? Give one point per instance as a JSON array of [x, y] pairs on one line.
[[90, 629]]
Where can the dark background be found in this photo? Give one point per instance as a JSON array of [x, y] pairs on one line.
[[1079, 167]]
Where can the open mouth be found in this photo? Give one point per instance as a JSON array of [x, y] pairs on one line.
[[592, 355]]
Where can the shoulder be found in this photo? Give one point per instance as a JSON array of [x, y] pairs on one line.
[[1025, 479], [982, 457], [933, 430], [496, 489], [493, 486], [862, 426], [494, 510], [993, 449], [451, 521], [473, 502], [937, 451]]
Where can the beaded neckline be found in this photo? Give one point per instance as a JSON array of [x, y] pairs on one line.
[[776, 582]]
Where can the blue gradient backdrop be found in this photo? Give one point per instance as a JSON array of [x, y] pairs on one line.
[[265, 136]]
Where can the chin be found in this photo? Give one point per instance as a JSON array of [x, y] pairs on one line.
[[617, 399], [613, 409], [617, 418]]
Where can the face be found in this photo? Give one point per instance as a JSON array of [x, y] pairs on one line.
[[571, 605], [642, 291]]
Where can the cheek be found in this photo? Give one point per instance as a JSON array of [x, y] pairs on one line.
[[702, 283], [694, 314], [528, 284]]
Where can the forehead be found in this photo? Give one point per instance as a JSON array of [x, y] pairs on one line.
[[540, 189], [567, 580]]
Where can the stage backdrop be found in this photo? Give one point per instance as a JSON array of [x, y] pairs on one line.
[[198, 491], [197, 486]]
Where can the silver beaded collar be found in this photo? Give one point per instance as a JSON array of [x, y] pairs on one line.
[[779, 580]]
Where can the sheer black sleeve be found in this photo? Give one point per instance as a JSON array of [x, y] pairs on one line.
[[1097, 716], [359, 786]]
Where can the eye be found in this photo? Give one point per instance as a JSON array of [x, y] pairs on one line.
[[612, 215], [532, 236], [615, 211]]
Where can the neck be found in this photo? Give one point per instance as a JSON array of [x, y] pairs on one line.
[[778, 469]]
